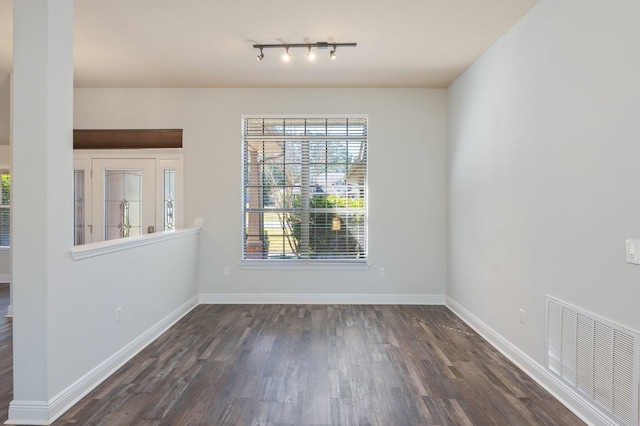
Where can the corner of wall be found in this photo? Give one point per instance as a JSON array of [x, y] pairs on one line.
[[580, 407]]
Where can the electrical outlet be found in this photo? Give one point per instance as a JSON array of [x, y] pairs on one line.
[[633, 251], [381, 272], [199, 221], [522, 316], [226, 271], [119, 314]]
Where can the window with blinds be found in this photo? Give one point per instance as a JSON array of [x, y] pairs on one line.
[[305, 189], [5, 208]]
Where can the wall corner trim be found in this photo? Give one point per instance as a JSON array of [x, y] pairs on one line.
[[578, 405]]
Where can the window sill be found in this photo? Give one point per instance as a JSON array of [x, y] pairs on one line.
[[5, 249], [105, 247], [298, 265]]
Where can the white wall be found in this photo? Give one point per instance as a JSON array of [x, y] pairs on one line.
[[5, 106], [5, 156], [543, 162], [154, 285], [149, 283], [407, 180], [5, 266]]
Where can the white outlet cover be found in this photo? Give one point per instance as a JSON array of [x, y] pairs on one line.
[[633, 251], [199, 221]]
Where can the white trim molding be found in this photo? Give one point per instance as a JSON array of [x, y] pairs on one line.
[[300, 265], [29, 413], [46, 412], [578, 405], [111, 246], [322, 299]]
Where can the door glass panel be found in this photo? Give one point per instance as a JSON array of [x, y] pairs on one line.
[[79, 205], [169, 199], [123, 203], [118, 189], [151, 188]]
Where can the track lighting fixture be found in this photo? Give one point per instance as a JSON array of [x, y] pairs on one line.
[[321, 45]]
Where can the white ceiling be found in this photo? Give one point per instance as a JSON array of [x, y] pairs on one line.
[[208, 43]]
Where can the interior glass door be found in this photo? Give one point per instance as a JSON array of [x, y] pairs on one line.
[[123, 198]]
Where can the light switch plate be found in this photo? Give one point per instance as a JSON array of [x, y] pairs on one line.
[[199, 221], [633, 251]]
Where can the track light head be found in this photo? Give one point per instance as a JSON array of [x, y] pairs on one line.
[[287, 56], [310, 55], [332, 54], [261, 55]]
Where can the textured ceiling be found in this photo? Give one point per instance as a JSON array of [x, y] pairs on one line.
[[208, 43]]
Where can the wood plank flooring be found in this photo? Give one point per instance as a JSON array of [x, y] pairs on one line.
[[6, 354], [319, 365]]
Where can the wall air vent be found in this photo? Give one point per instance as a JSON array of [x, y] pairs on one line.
[[597, 359]]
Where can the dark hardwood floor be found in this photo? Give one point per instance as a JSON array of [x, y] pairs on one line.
[[312, 364], [319, 364], [6, 354]]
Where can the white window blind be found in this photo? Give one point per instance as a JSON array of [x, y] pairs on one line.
[[5, 207], [305, 189]]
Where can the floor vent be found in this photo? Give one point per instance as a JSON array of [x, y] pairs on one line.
[[596, 358]]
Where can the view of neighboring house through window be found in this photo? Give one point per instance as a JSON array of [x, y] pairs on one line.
[[5, 208], [305, 189]]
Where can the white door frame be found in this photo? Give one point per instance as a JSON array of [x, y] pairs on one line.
[[164, 159]]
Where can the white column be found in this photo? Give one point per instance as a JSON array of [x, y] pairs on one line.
[[42, 193], [10, 308]]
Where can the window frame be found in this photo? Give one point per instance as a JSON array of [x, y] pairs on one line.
[[303, 263], [6, 248]]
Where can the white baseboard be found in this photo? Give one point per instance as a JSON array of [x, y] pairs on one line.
[[46, 412], [574, 402], [28, 413], [323, 299]]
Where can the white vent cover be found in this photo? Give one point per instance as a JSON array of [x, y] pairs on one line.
[[596, 358]]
